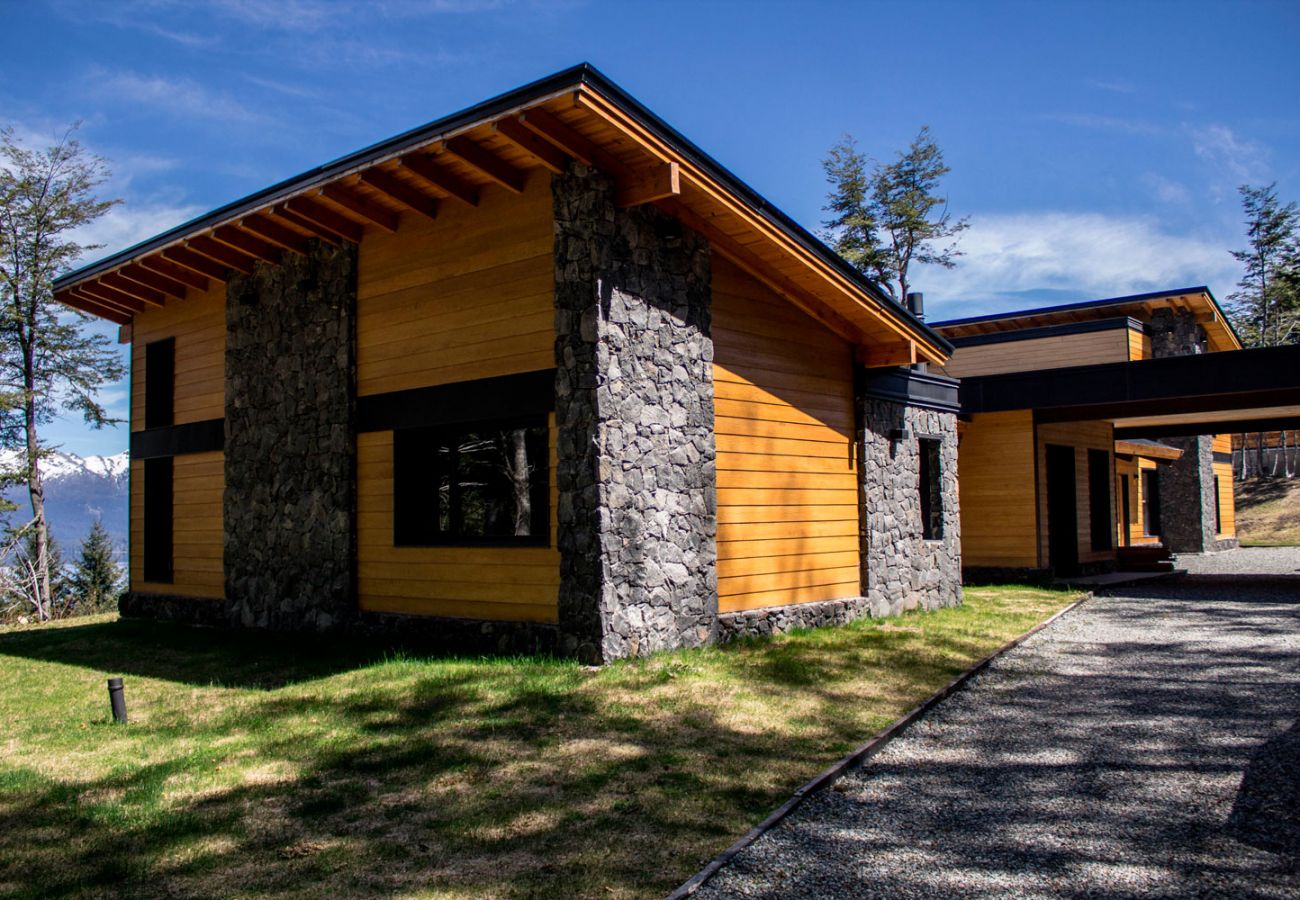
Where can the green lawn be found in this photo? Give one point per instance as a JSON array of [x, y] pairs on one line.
[[1268, 512], [262, 765]]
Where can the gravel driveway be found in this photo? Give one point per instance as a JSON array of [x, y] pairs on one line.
[[1145, 744]]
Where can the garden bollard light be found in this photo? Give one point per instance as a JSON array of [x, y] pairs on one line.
[[117, 699]]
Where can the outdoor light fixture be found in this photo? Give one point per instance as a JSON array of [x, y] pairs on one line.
[[117, 699]]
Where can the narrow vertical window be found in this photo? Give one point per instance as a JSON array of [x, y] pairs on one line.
[[1150, 503], [159, 383], [1218, 508], [158, 520], [1099, 488], [931, 487]]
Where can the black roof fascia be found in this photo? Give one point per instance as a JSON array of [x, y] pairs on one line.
[[583, 73], [1046, 331], [1236, 379], [911, 387]]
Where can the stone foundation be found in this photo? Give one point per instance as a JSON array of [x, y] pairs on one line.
[[900, 569], [290, 441], [634, 409], [781, 619]]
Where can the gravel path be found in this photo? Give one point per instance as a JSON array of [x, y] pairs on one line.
[[1146, 744]]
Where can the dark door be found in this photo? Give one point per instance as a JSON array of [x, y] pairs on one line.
[[1124, 517], [1151, 502], [1062, 512]]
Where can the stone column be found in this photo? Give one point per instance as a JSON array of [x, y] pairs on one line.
[[290, 441], [634, 409], [1187, 485], [900, 569]]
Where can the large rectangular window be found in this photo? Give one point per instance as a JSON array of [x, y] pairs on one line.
[[475, 483], [1099, 490], [931, 488], [159, 383], [158, 520]]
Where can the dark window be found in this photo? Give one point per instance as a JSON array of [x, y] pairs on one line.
[[475, 483], [159, 383], [1218, 508], [1099, 491], [931, 485], [1125, 511], [1150, 503], [158, 519]]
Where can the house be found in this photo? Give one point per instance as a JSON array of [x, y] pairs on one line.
[[1060, 405], [538, 375]]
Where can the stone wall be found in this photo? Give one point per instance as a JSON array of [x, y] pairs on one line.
[[900, 569], [634, 408], [1175, 333], [290, 441]]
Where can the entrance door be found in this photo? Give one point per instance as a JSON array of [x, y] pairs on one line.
[[1062, 512], [1124, 516]]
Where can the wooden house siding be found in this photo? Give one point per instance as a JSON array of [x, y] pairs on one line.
[[1039, 353], [198, 481], [1082, 436], [998, 521], [1222, 447], [198, 326], [1139, 345], [466, 296], [787, 478]]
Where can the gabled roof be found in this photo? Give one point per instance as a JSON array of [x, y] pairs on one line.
[[1199, 300], [577, 113]]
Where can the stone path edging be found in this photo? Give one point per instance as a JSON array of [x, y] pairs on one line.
[[856, 757]]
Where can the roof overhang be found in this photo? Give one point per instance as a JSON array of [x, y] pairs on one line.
[[1199, 301], [1209, 393], [1147, 449], [577, 114]]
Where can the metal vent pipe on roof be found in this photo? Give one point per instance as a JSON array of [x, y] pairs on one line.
[[916, 303]]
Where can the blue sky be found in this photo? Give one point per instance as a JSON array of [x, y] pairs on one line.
[[1096, 147]]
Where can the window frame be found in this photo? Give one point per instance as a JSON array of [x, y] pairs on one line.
[[1101, 519], [413, 453], [930, 486]]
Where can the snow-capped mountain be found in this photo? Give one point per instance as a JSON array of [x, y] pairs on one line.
[[78, 490]]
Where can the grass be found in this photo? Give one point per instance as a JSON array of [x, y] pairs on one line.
[[260, 765], [1268, 512]]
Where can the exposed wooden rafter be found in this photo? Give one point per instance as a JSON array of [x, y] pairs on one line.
[[282, 213], [141, 275], [195, 262], [223, 254], [325, 217], [71, 298], [546, 153], [273, 231], [902, 353], [493, 167], [360, 206], [545, 125], [659, 183], [96, 290], [403, 192], [450, 184], [163, 266], [248, 243], [133, 288]]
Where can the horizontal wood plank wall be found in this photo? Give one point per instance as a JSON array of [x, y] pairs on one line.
[[1040, 353], [1139, 345], [198, 323], [996, 458], [786, 455], [465, 296], [198, 480], [1227, 502], [1082, 436], [1139, 530]]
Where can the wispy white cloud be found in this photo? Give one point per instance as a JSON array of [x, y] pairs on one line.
[[129, 223], [1220, 146], [1067, 255], [1116, 86], [175, 96], [1166, 190], [1108, 123]]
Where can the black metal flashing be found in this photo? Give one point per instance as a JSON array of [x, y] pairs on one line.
[[913, 388], [1048, 331], [503, 397], [568, 79], [177, 440], [1208, 382]]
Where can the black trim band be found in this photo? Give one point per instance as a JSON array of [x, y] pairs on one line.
[[1225, 458], [177, 440], [503, 397], [1046, 331], [910, 387]]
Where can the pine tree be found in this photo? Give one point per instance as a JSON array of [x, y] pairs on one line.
[[1266, 305], [892, 216], [97, 578], [47, 362]]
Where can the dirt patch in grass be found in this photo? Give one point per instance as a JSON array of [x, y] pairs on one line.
[[256, 765], [1268, 512]]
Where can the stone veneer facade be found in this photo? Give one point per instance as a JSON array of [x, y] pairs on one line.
[[1187, 499], [635, 467], [634, 406]]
